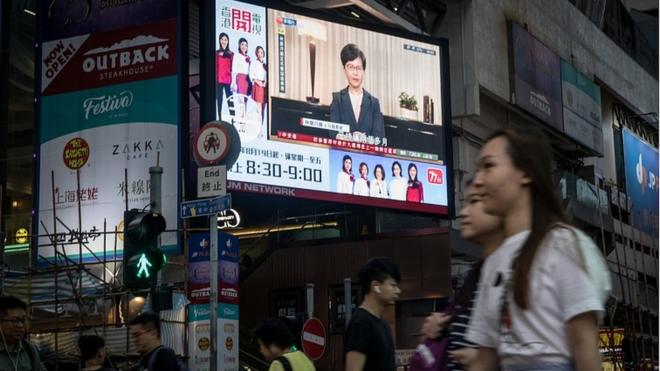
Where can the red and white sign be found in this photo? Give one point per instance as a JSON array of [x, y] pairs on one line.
[[313, 338], [211, 144], [106, 58]]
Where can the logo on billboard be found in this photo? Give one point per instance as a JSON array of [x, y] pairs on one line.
[[645, 178], [240, 20], [107, 104], [434, 176], [107, 58], [203, 344], [229, 293], [137, 149], [127, 57], [22, 236], [229, 328], [229, 312], [229, 251], [76, 153]]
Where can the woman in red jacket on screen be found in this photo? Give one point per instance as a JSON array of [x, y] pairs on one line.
[[223, 61], [240, 70], [415, 191]]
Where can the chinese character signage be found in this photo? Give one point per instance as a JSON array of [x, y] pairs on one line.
[[641, 165]]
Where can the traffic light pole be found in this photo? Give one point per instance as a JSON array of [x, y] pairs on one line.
[[213, 300], [155, 192]]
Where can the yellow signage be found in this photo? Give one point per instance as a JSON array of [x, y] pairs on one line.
[[21, 235]]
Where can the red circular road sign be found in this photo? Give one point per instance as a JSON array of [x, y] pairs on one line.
[[211, 144], [313, 338]]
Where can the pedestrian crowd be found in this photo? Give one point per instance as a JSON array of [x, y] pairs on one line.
[[531, 302]]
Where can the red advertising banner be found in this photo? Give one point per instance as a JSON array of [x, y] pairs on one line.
[[107, 58]]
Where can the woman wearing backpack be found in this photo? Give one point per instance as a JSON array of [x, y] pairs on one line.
[[537, 307]]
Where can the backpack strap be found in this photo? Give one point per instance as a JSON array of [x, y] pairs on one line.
[[33, 354], [152, 358], [285, 363]]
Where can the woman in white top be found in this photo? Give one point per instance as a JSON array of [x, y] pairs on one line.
[[398, 184], [536, 308], [345, 178], [378, 185], [362, 183]]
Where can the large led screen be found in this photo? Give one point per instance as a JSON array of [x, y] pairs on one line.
[[332, 112]]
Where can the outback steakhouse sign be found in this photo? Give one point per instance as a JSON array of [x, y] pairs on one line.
[[107, 58]]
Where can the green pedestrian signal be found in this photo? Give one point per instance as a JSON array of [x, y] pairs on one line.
[[142, 257], [143, 267]]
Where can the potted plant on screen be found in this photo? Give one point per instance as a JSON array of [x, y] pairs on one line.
[[408, 105]]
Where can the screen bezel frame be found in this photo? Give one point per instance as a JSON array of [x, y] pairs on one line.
[[207, 69]]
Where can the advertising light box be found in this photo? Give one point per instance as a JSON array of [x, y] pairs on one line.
[[332, 112]]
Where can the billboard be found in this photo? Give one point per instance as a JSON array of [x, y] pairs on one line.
[[199, 341], [536, 81], [70, 18], [300, 110], [582, 107], [108, 103], [98, 133], [641, 166], [105, 58], [199, 268]]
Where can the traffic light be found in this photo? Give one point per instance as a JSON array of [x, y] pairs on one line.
[[142, 257]]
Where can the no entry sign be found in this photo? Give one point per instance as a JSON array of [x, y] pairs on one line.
[[313, 338]]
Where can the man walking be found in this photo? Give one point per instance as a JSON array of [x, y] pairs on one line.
[[15, 352], [368, 345], [276, 344], [145, 329]]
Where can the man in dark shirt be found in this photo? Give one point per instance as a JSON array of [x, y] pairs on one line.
[[145, 330], [369, 345]]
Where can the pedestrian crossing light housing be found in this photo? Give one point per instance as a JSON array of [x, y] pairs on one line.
[[142, 255]]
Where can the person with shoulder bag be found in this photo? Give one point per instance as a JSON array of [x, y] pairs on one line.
[[277, 346], [443, 346], [538, 305]]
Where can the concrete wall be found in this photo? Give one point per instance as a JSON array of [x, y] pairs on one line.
[[570, 34], [478, 47]]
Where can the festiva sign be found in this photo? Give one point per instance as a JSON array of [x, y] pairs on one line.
[[106, 58]]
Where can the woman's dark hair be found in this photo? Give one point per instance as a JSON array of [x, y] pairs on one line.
[[382, 170], [411, 180], [242, 39], [351, 51], [397, 164], [274, 331], [343, 160], [89, 345], [220, 37], [530, 152], [378, 269]]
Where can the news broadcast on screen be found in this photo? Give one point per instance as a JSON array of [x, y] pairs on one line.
[[331, 112]]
